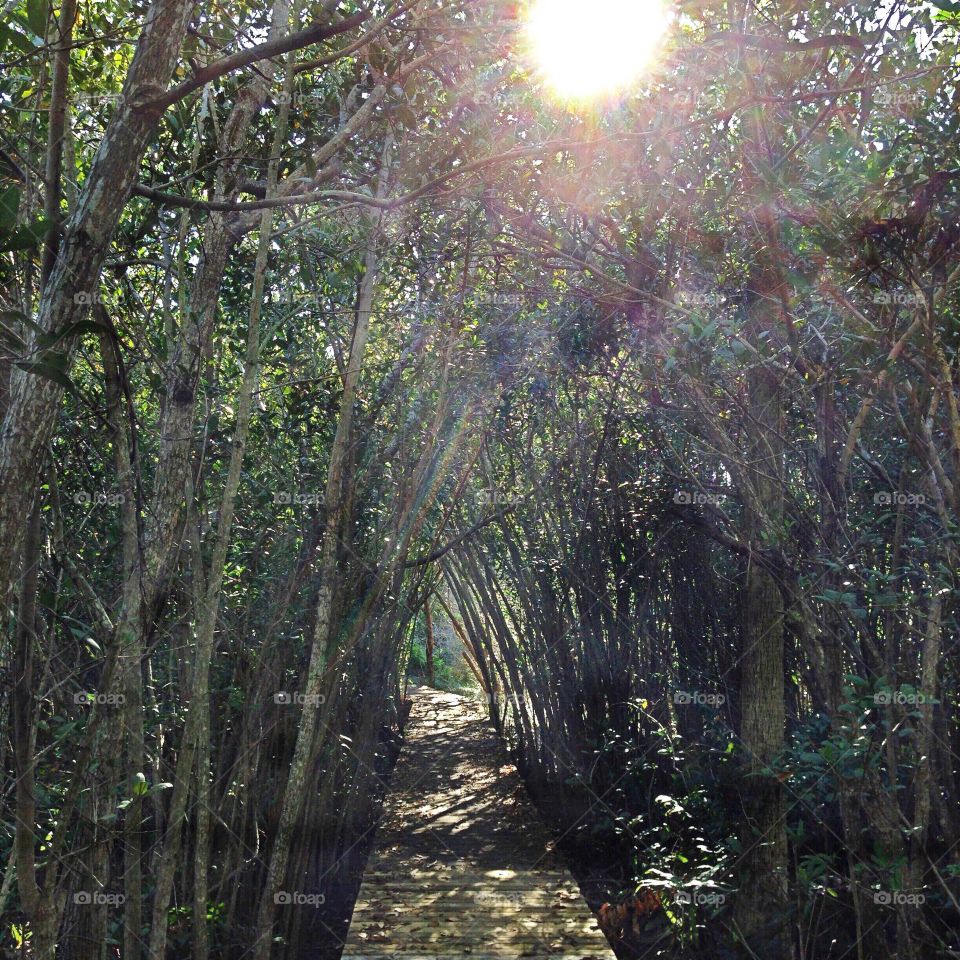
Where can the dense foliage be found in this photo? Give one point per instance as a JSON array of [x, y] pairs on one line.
[[321, 318]]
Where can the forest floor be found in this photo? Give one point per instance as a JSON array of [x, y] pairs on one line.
[[462, 864]]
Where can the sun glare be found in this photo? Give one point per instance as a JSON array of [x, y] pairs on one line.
[[587, 49]]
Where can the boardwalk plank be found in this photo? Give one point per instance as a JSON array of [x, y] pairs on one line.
[[462, 865]]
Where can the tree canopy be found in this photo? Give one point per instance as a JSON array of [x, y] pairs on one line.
[[321, 321]]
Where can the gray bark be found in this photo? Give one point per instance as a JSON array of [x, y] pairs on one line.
[[34, 400]]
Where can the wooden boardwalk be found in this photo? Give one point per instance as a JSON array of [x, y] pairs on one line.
[[462, 865]]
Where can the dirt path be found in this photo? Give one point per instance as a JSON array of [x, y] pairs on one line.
[[462, 865]]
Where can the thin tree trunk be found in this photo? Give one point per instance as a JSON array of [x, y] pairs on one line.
[[35, 400], [760, 910], [56, 133], [36, 905], [431, 673], [129, 639], [909, 916], [23, 853], [323, 636], [196, 734]]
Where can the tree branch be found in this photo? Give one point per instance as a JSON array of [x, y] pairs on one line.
[[441, 551], [777, 45], [262, 51]]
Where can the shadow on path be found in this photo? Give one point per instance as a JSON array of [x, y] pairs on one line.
[[462, 865]]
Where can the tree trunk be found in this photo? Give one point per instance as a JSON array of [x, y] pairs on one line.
[[323, 636], [760, 910], [431, 673], [35, 400], [32, 898]]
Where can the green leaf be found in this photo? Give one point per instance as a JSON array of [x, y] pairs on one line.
[[27, 236], [407, 117], [37, 17], [140, 786], [855, 680], [9, 205], [48, 340], [51, 368], [7, 333], [17, 39], [15, 315]]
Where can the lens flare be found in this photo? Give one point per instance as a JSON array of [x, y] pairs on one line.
[[587, 50]]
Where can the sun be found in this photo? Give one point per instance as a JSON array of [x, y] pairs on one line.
[[588, 49]]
